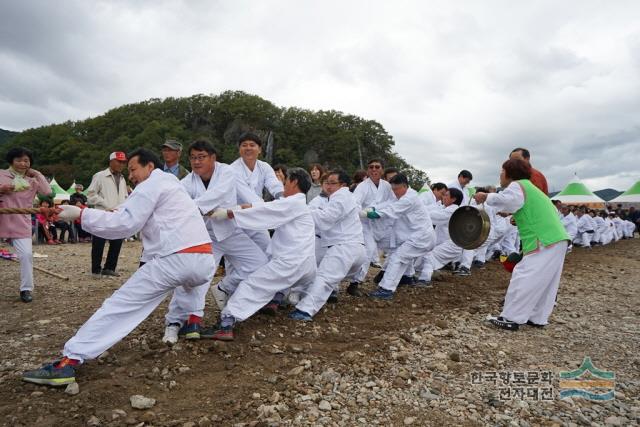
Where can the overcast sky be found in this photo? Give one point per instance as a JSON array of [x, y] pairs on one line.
[[458, 84]]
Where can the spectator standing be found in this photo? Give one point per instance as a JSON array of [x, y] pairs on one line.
[[171, 152], [108, 189], [315, 171], [19, 185]]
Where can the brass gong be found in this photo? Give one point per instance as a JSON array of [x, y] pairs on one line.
[[469, 227]]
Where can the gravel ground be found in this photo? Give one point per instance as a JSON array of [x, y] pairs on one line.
[[426, 358]]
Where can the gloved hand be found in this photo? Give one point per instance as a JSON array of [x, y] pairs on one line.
[[219, 214], [363, 213], [69, 213], [373, 214]]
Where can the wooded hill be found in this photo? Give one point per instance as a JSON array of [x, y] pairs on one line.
[[75, 150]]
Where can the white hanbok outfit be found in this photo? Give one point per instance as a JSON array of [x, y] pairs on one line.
[[341, 236], [169, 222], [228, 240], [413, 235], [618, 223], [293, 261], [570, 224], [535, 279], [445, 250], [629, 228], [599, 227], [319, 202], [606, 234], [260, 178], [585, 230], [367, 195]]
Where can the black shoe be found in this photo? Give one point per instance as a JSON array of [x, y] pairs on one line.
[[353, 290], [378, 278], [535, 325], [407, 280], [333, 298], [502, 323], [26, 296], [447, 267], [477, 264], [462, 271], [111, 273]]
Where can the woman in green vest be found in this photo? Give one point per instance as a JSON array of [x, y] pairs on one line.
[[534, 283]]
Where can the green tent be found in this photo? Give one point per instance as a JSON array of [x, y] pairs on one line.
[[60, 193], [632, 195], [72, 189], [576, 193]]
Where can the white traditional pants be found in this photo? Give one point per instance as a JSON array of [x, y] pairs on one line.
[[239, 251], [583, 239], [24, 251], [534, 284], [340, 262], [442, 254], [136, 299], [278, 275], [401, 259]]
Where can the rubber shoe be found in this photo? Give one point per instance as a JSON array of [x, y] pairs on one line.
[[111, 273], [477, 264], [353, 290], [219, 296], [26, 296], [270, 309], [502, 323], [171, 333], [190, 331], [462, 271], [333, 298], [50, 375], [382, 293], [300, 315], [375, 264], [219, 333]]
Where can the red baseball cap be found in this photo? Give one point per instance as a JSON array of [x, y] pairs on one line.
[[118, 155]]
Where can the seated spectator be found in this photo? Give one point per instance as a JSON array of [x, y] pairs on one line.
[[46, 228], [78, 196], [64, 228]]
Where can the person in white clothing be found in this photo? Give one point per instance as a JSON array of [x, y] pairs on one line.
[[413, 234], [461, 183], [293, 262], [373, 191], [341, 235], [212, 185], [432, 196], [258, 176], [445, 250], [319, 202], [585, 228], [570, 223], [176, 252]]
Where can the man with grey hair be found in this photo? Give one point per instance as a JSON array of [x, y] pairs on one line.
[[171, 151]]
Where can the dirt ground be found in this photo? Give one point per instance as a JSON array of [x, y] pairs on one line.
[[405, 362]]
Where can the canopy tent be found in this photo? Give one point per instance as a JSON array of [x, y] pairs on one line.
[[60, 193], [72, 189], [632, 195], [576, 193]]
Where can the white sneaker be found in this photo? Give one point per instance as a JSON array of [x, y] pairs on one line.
[[219, 296], [171, 334]]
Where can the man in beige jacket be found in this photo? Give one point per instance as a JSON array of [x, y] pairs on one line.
[[108, 189]]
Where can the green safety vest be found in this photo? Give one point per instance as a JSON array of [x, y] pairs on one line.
[[537, 220]]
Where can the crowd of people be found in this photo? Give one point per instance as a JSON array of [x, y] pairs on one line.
[[290, 237]]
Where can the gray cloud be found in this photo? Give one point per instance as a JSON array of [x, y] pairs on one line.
[[458, 85]]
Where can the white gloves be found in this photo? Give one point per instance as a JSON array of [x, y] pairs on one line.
[[363, 213], [69, 213]]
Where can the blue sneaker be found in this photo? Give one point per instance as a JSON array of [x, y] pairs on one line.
[[51, 375], [300, 315], [382, 293], [190, 331]]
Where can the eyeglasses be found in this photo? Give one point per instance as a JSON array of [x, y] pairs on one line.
[[375, 167], [332, 182], [199, 158]]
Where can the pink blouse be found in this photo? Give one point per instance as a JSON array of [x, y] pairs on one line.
[[19, 226]]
